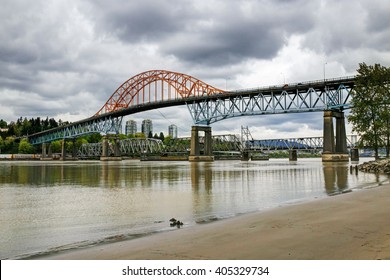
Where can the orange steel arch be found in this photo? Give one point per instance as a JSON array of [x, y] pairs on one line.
[[156, 86]]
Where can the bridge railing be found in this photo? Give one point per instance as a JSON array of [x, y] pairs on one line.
[[299, 84]]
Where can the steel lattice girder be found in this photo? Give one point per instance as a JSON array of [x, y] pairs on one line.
[[291, 99], [103, 125], [304, 143], [133, 146], [141, 146]]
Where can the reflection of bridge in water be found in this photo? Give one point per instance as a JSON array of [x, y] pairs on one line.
[[206, 104]]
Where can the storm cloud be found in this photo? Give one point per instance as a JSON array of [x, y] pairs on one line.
[[63, 59]]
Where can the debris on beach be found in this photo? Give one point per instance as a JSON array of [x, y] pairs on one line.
[[175, 223]]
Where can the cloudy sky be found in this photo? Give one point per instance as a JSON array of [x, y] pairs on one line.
[[65, 58]]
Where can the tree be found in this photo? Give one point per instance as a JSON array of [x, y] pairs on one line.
[[25, 147], [161, 136], [370, 106], [3, 123], [167, 140]]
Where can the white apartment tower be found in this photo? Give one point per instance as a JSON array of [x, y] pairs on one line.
[[172, 131], [131, 127], [147, 127]]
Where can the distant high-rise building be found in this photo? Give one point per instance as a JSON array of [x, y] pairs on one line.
[[131, 127], [172, 131], [147, 127]]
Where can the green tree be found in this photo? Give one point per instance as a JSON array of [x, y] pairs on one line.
[[1, 144], [167, 140], [161, 137], [370, 106], [25, 147], [56, 146], [3, 123]]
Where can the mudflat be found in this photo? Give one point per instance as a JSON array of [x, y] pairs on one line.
[[352, 226]]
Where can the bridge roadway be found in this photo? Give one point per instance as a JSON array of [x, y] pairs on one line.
[[320, 95]]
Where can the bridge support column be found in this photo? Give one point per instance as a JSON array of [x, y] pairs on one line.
[[74, 149], [46, 152], [334, 152], [354, 154], [245, 156], [292, 155], [106, 150], [195, 154], [117, 148], [63, 150]]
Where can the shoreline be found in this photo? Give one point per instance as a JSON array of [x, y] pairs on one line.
[[353, 225]]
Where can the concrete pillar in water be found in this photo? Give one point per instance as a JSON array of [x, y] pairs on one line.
[[106, 150], [43, 151], [195, 147], [63, 150], [245, 156], [117, 148], [341, 135], [292, 155], [49, 151], [195, 150], [354, 154], [208, 142], [328, 133], [74, 149], [332, 152], [46, 152]]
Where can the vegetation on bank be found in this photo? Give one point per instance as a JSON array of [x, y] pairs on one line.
[[370, 114], [11, 143]]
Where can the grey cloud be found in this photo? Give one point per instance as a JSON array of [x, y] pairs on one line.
[[217, 33], [135, 21]]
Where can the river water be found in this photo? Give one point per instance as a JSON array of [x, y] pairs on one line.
[[47, 207]]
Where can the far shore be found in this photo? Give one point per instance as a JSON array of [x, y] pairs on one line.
[[353, 226]]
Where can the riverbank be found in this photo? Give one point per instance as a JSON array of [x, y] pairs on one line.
[[354, 225], [376, 166]]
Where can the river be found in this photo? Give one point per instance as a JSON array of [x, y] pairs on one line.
[[46, 207]]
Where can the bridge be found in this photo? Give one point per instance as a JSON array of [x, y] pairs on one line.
[[222, 145], [207, 104]]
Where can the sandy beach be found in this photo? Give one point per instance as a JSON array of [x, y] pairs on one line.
[[354, 225]]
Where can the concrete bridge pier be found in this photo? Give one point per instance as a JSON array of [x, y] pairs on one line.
[[195, 154], [292, 155], [245, 156], [63, 150], [74, 150], [354, 154], [334, 152], [106, 156], [46, 152]]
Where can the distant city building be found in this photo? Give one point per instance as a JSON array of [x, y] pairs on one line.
[[131, 127], [147, 127], [172, 131]]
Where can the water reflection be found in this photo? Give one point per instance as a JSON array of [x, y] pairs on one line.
[[49, 204], [335, 177]]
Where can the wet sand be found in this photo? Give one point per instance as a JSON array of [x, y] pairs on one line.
[[350, 226]]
